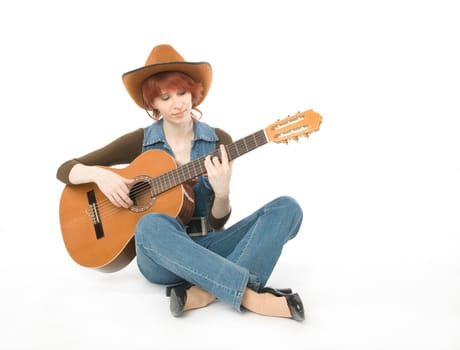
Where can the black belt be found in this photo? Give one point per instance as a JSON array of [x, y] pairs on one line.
[[198, 226]]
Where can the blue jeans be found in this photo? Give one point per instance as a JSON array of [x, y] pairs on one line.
[[225, 262]]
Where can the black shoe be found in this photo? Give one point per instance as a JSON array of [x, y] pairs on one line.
[[293, 300], [295, 306], [276, 291], [178, 294]]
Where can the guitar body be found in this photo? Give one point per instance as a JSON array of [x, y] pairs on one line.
[[99, 235]]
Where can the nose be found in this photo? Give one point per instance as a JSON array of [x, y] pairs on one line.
[[178, 100]]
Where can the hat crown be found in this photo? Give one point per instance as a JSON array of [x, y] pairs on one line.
[[163, 54]]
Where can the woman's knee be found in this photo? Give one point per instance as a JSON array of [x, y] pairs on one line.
[[291, 215], [290, 205]]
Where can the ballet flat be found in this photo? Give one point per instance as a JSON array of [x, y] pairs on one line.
[[178, 298], [295, 306], [293, 300]]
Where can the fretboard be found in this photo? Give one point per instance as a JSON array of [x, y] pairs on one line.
[[196, 167]]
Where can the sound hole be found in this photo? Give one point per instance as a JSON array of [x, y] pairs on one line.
[[141, 193]]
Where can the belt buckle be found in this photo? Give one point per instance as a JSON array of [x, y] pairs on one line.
[[197, 227]]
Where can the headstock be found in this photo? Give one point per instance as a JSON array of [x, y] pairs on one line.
[[292, 127]]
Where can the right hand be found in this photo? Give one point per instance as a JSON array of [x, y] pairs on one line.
[[114, 187]]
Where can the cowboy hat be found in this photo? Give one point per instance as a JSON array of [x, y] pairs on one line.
[[165, 58]]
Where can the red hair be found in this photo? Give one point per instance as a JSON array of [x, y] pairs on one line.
[[156, 84]]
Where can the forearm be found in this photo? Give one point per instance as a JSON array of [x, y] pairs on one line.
[[81, 173]]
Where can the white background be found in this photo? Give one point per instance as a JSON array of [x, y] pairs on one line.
[[377, 258]]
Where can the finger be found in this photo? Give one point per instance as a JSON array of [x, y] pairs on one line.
[[126, 200], [207, 161], [129, 181], [208, 164], [115, 199], [216, 160], [124, 190], [121, 200], [223, 154], [212, 161]]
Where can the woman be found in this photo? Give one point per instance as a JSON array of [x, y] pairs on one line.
[[198, 265]]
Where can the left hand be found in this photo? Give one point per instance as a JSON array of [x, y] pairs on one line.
[[219, 173]]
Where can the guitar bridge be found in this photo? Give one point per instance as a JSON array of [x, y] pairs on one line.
[[94, 213]]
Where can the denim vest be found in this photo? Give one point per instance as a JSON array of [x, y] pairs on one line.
[[204, 141]]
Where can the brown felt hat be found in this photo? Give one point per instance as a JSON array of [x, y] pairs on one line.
[[164, 58]]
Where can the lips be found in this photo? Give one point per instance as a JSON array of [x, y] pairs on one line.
[[180, 114]]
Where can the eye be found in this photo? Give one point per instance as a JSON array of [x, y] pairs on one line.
[[164, 97], [182, 92]]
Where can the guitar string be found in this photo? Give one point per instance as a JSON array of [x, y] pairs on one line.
[[106, 208], [166, 181]]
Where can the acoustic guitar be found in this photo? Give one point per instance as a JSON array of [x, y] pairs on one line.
[[99, 235]]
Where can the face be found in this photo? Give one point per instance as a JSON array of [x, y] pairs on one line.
[[174, 105]]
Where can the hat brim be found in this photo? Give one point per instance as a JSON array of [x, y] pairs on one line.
[[201, 72]]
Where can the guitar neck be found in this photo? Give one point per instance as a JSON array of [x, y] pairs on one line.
[[196, 167], [244, 145]]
